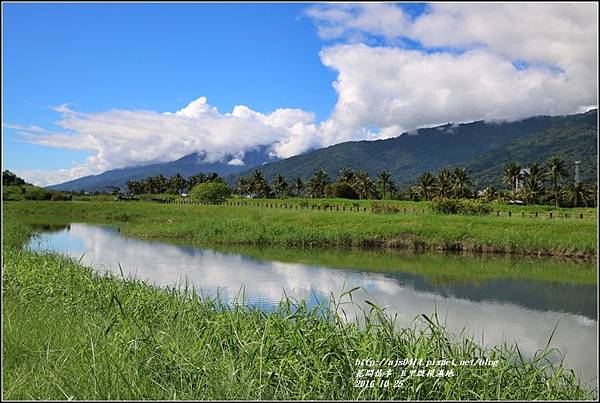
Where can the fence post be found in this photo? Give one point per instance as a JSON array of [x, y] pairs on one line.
[[510, 213], [551, 214], [497, 213]]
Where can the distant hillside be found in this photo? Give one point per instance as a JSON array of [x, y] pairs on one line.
[[573, 141], [484, 147], [187, 166]]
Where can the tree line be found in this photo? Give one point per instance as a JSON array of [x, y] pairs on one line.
[[534, 184], [349, 184], [176, 184], [529, 184]]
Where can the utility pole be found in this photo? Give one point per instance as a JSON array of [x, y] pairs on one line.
[[577, 171]]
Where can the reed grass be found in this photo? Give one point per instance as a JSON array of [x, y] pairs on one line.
[[69, 333]]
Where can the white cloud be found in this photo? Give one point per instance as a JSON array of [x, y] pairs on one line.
[[397, 90], [121, 138], [478, 61], [335, 21], [467, 69]]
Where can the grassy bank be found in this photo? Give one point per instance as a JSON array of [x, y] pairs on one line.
[[316, 228], [68, 333]]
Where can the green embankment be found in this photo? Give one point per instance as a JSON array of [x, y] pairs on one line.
[[69, 333], [317, 228]]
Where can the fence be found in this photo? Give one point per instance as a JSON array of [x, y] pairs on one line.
[[363, 209]]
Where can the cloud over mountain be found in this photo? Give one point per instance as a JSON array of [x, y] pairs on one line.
[[395, 72]]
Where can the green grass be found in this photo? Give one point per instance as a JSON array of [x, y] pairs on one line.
[[304, 228], [70, 334], [419, 207]]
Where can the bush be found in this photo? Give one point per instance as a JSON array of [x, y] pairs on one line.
[[340, 190], [59, 196], [211, 192], [460, 206], [382, 208], [37, 194]]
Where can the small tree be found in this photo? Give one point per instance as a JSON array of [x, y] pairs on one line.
[[340, 189], [211, 192]]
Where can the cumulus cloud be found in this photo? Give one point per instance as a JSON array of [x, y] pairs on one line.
[[351, 20], [476, 61], [453, 63], [121, 138], [397, 89]]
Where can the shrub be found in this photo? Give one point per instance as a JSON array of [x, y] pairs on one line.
[[340, 190], [59, 196], [382, 208], [460, 206], [211, 192], [37, 194]]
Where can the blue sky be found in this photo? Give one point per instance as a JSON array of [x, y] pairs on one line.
[[153, 56], [289, 76]]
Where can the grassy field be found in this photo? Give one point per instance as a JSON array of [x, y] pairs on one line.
[[71, 334], [419, 207], [304, 228]]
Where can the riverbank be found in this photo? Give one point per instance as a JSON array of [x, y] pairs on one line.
[[69, 333], [308, 228]]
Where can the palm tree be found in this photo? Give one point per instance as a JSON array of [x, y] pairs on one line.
[[384, 179], [511, 175], [534, 183], [578, 194], [444, 182], [426, 184], [593, 192], [196, 179], [212, 177], [299, 186], [346, 175], [363, 185], [159, 184], [135, 187], [556, 169], [244, 186], [461, 184], [280, 186], [259, 184], [317, 184], [489, 194], [176, 183]]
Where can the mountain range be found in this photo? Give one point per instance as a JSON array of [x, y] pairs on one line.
[[187, 166], [482, 147]]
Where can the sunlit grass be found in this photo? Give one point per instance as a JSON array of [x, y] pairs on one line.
[[69, 333], [318, 228]]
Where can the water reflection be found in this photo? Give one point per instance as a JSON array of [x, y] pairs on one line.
[[500, 309]]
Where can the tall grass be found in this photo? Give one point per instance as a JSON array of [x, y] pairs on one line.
[[71, 334]]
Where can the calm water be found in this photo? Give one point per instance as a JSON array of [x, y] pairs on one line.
[[492, 309]]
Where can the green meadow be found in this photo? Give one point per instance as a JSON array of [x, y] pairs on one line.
[[310, 228], [69, 333]]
